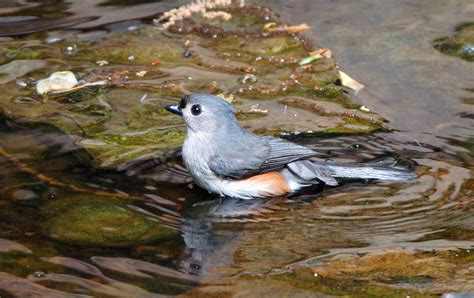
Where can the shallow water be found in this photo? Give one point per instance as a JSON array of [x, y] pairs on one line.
[[358, 239]]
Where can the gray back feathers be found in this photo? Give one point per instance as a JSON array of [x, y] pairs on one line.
[[234, 153]]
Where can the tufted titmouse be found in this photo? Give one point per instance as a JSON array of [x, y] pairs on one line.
[[226, 159]]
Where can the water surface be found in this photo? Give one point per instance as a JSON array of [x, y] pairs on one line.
[[360, 238]]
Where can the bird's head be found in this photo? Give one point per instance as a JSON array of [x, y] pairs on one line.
[[204, 112]]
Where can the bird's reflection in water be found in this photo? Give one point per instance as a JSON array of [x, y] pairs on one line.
[[209, 247]]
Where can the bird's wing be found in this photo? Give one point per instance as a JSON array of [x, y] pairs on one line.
[[260, 155], [283, 152], [310, 171]]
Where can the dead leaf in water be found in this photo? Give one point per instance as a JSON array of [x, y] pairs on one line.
[[350, 82], [229, 98], [326, 53], [272, 27], [310, 59]]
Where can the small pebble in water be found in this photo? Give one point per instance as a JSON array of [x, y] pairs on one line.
[[187, 53], [248, 78], [39, 274], [102, 62], [467, 49], [131, 58], [21, 83], [52, 39]]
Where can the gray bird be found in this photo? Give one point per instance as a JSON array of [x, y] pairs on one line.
[[228, 160]]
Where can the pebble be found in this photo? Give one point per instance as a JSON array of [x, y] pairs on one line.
[[468, 49], [187, 54], [21, 83], [249, 78]]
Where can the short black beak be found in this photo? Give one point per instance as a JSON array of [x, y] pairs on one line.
[[174, 109]]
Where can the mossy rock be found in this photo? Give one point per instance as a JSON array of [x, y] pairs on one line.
[[94, 222], [460, 44]]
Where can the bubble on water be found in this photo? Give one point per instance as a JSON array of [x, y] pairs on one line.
[[356, 146], [71, 50], [39, 274]]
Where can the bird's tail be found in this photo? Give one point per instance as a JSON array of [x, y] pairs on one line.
[[369, 171]]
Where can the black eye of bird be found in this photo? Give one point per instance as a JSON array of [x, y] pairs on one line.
[[196, 110]]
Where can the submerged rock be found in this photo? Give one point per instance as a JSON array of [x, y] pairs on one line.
[[83, 221], [58, 81], [460, 43], [19, 68]]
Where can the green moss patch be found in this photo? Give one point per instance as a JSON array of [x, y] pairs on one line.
[[96, 222], [459, 44]]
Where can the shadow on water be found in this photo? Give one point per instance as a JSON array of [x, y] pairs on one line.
[[69, 228]]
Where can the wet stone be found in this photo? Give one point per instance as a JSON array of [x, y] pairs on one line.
[[98, 223]]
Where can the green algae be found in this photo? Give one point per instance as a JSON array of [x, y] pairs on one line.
[[454, 45], [380, 274], [136, 48], [23, 264], [276, 46], [305, 279], [23, 51], [99, 223], [451, 233], [354, 125]]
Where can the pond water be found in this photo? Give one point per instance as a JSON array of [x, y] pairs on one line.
[[72, 224]]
